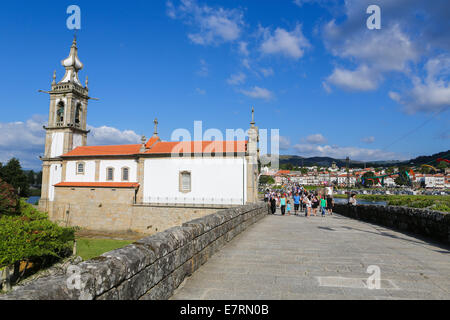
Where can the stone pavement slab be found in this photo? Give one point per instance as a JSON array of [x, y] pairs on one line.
[[320, 258]]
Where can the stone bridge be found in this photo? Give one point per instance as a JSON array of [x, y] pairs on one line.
[[244, 253], [294, 257]]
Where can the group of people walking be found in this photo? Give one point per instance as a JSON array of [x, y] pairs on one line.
[[308, 202]]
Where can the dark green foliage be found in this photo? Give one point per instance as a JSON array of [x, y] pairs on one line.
[[9, 202], [31, 236], [366, 182], [13, 174], [266, 180]]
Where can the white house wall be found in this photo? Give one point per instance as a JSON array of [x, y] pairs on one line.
[[77, 140], [213, 180], [118, 165], [57, 144], [89, 171], [55, 177]]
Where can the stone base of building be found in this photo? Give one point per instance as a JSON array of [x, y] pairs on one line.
[[145, 219]]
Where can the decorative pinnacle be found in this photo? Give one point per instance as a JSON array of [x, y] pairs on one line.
[[156, 127], [253, 117], [86, 82], [54, 77], [74, 43], [143, 140]]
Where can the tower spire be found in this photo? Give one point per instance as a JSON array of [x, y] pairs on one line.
[[72, 64]]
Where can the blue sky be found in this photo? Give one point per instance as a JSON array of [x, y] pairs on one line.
[[311, 68]]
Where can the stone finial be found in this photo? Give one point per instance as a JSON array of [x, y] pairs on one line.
[[54, 77], [253, 117], [155, 133], [86, 82], [143, 141]]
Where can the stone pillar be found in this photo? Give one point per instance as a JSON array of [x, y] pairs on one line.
[[63, 170], [43, 202], [97, 170], [140, 180]]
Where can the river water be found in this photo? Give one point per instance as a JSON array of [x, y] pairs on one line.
[[360, 201]]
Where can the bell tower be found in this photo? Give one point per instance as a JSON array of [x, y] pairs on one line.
[[66, 128]]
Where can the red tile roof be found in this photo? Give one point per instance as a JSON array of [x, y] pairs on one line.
[[104, 150], [198, 147], [155, 146], [99, 184]]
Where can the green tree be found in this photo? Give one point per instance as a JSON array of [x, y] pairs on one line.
[[31, 178], [39, 178], [366, 182], [9, 203], [402, 179], [266, 180], [13, 174], [442, 165]]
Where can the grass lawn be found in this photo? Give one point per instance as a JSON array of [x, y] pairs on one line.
[[88, 248]]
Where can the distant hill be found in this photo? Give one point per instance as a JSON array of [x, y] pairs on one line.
[[298, 161], [431, 160]]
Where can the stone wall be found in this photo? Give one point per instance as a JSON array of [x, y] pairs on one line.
[[149, 269], [433, 224], [112, 210]]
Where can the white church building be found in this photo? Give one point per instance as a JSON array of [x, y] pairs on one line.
[[135, 187]]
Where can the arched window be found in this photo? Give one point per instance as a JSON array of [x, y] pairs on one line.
[[125, 174], [60, 113], [78, 111], [110, 174]]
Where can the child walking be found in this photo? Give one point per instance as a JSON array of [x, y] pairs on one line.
[[288, 207], [323, 204]]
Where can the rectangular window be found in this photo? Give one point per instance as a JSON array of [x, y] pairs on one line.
[[125, 173], [110, 174], [185, 181]]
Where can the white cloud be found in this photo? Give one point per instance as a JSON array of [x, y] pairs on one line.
[[368, 140], [284, 143], [290, 44], [267, 72], [316, 139], [246, 63], [200, 91], [204, 69], [26, 140], [375, 53], [258, 93], [213, 25], [111, 136], [431, 93], [361, 154], [361, 79], [243, 48], [236, 79]]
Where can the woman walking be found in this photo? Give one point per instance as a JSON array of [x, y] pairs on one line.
[[307, 202], [283, 204], [330, 204], [273, 204]]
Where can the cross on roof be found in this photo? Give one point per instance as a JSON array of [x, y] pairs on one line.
[[156, 127]]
